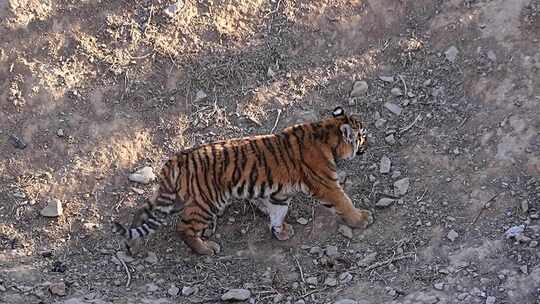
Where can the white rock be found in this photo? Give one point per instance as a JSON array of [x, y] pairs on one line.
[[331, 251], [188, 291], [53, 209], [396, 92], [60, 133], [452, 235], [151, 258], [515, 231], [491, 300], [392, 107], [524, 269], [390, 139], [330, 281], [173, 9], [58, 289], [201, 95], [345, 301], [370, 258], [144, 175], [438, 286], [173, 291], [346, 231], [491, 55], [270, 73], [312, 280], [385, 164], [451, 53], [151, 287], [379, 123], [236, 295], [359, 88], [401, 186], [387, 78], [302, 221], [384, 202], [345, 277]]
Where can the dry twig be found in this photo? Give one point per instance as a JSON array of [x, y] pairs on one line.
[[404, 84], [386, 262], [277, 121], [484, 207], [300, 269], [127, 271], [411, 125]]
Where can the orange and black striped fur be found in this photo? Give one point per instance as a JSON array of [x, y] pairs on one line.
[[199, 182]]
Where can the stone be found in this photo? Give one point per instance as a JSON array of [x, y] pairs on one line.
[[359, 88], [200, 96], [396, 92], [438, 286], [491, 300], [452, 235], [385, 165], [462, 296], [392, 107], [301, 301], [316, 250], [379, 123], [401, 186], [451, 53], [312, 280], [514, 231], [396, 174], [384, 202], [346, 231], [330, 281], [491, 55], [144, 175], [427, 83], [345, 301], [524, 269], [151, 287], [17, 142], [390, 139], [368, 259], [270, 73], [524, 206], [278, 298], [151, 258], [53, 209], [331, 251], [137, 190], [173, 9], [236, 295], [188, 290], [60, 133], [345, 277], [533, 244], [58, 289], [302, 221], [173, 291], [387, 78]]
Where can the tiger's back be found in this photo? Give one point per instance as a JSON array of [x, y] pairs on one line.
[[199, 183]]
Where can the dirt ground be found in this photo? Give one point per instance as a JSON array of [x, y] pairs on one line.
[[91, 91]]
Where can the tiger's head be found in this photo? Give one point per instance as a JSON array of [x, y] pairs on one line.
[[353, 136]]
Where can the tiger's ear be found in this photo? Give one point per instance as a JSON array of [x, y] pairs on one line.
[[347, 133], [338, 111]]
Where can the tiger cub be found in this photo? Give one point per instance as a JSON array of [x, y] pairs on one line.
[[199, 182]]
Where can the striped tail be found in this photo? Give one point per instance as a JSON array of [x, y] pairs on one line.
[[150, 224]]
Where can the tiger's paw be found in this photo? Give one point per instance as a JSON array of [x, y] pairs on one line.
[[359, 219], [283, 233]]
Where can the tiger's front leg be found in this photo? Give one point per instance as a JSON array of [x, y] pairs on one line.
[[335, 197]]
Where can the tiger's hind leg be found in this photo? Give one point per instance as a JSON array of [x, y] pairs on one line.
[[277, 211], [191, 227]]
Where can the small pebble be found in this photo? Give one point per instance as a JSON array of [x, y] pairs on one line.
[[387, 78], [392, 107], [359, 88], [173, 291], [379, 123], [188, 291], [330, 281], [452, 235], [346, 231], [331, 251], [60, 133], [200, 96], [390, 139], [384, 202], [490, 300], [58, 289], [401, 186], [385, 165], [345, 301], [524, 269], [173, 9], [345, 277], [151, 258], [396, 92], [438, 286], [151, 287], [302, 221], [53, 209], [370, 258], [17, 142], [451, 53], [312, 281], [315, 250], [236, 295]]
